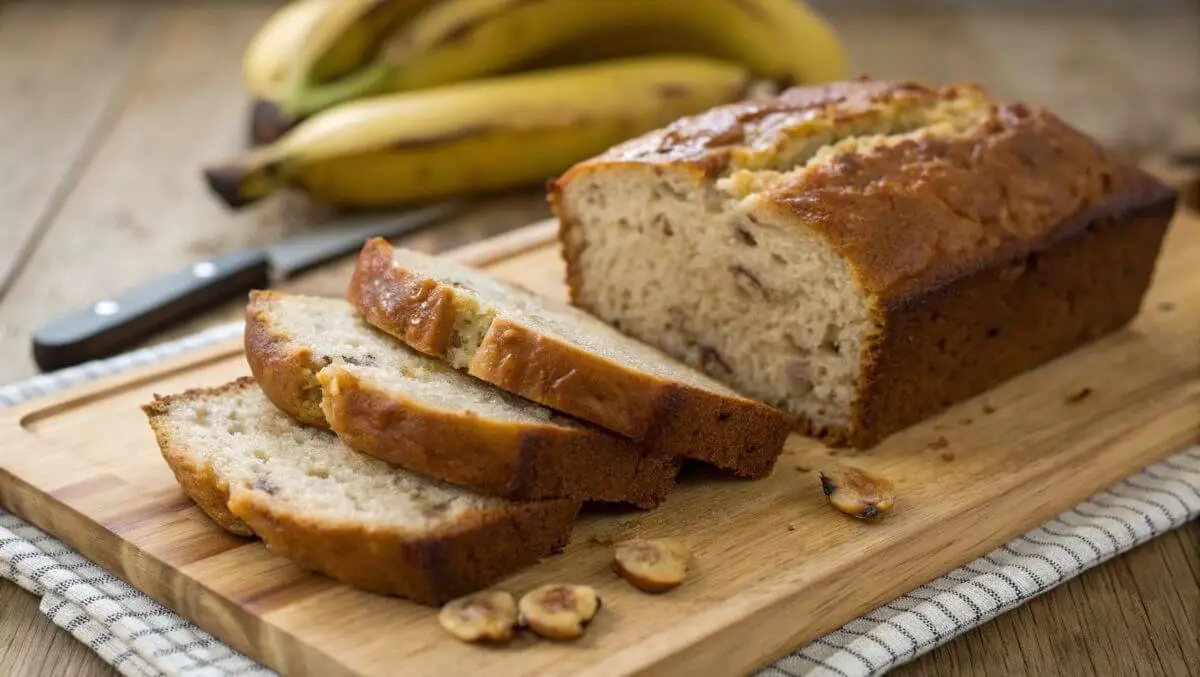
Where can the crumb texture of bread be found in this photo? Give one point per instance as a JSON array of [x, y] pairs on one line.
[[333, 510], [399, 405], [558, 355], [782, 245]]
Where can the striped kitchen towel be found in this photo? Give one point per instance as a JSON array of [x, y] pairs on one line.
[[140, 638]]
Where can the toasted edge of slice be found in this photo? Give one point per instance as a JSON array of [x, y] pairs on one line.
[[670, 417], [428, 566], [199, 480], [517, 461], [513, 459], [284, 369]]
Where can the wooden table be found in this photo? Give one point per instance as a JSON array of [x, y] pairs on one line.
[[108, 109]]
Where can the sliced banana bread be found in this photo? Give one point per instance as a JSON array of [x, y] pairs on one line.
[[256, 470], [862, 254], [560, 356], [318, 360]]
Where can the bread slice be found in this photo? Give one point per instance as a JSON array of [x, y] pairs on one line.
[[316, 359], [862, 254], [255, 470], [562, 357]]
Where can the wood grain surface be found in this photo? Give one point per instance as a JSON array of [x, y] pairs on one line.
[[74, 74]]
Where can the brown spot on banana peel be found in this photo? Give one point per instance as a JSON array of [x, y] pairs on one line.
[[469, 131], [672, 90], [435, 140]]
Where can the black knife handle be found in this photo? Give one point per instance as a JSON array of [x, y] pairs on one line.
[[112, 325]]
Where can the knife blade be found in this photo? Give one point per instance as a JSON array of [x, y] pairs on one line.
[[111, 325]]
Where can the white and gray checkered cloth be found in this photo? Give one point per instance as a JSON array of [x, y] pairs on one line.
[[141, 638]]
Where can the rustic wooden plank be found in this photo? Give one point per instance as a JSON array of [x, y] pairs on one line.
[[1122, 79], [1081, 628], [58, 104], [31, 645], [140, 207], [1085, 70]]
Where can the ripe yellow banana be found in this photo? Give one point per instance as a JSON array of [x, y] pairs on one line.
[[457, 40], [340, 40], [275, 45], [477, 136], [313, 42]]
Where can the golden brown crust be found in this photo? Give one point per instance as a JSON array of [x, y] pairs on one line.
[[431, 568], [415, 310], [668, 418], [287, 373], [713, 140], [671, 418], [544, 369], [938, 209], [517, 461], [199, 482], [955, 342]]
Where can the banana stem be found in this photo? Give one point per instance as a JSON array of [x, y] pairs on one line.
[[310, 99], [243, 181]]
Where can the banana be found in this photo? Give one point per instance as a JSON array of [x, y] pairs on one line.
[[275, 45], [457, 40], [336, 43], [477, 136], [357, 26], [314, 42]]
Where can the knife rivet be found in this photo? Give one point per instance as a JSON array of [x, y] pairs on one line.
[[204, 269], [105, 308]]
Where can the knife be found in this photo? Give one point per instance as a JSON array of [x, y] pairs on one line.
[[112, 325]]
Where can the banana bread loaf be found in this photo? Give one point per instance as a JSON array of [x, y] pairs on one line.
[[862, 254]]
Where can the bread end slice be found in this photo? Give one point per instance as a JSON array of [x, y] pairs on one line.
[[256, 470]]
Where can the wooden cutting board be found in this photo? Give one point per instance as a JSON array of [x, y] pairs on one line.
[[776, 566]]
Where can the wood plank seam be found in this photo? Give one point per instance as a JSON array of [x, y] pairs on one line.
[[93, 141]]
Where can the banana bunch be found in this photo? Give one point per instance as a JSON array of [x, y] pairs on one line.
[[383, 102]]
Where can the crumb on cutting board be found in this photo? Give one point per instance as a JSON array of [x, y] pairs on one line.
[[939, 443], [1079, 395]]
